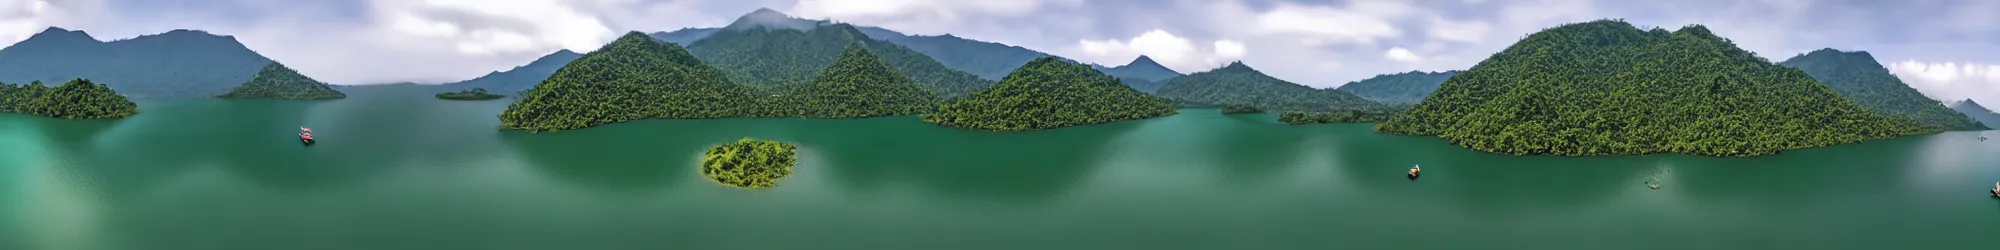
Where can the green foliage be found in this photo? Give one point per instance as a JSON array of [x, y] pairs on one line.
[[1237, 84], [1399, 88], [1050, 93], [1336, 116], [859, 85], [1604, 87], [1142, 85], [473, 94], [1241, 109], [749, 163], [1859, 77], [773, 59], [276, 81], [635, 77], [76, 99]]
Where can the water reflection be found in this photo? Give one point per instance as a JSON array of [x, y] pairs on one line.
[[964, 164], [1491, 183], [1249, 148], [619, 157]]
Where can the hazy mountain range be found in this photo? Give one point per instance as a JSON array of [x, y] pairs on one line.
[[176, 64]]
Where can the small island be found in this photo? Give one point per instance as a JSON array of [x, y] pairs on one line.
[[275, 81], [76, 99], [474, 94], [1240, 109], [749, 163], [1048, 93]]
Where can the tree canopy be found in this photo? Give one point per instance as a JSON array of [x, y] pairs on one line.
[[1605, 87], [1399, 88], [76, 99], [1050, 93], [749, 163], [470, 94], [1859, 77], [859, 85], [771, 59], [634, 77], [276, 81]]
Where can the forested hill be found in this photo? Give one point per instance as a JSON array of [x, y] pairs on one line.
[[1050, 93], [76, 99], [771, 58], [988, 60], [1239, 85], [859, 85], [1605, 87], [1142, 68], [175, 64], [1859, 77], [634, 77], [1399, 88], [518, 79], [1977, 113], [275, 81]]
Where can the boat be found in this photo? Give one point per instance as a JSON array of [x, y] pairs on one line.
[[1414, 172], [306, 136]]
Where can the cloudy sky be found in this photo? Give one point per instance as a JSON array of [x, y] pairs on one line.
[[1948, 48]]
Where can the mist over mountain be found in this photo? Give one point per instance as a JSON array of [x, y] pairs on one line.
[[1142, 68]]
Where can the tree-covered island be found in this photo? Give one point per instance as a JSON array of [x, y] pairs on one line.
[[749, 163], [473, 94], [76, 99], [275, 81]]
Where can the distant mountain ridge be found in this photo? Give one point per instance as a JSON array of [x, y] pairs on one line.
[[176, 64], [988, 60], [1237, 84], [1978, 113], [1399, 88], [520, 78], [1858, 76], [773, 58], [1143, 68]]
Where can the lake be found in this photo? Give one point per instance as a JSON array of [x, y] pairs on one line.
[[396, 169]]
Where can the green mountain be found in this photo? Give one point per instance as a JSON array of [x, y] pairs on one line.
[[1859, 77], [1399, 88], [76, 99], [859, 85], [175, 64], [276, 81], [987, 60], [1050, 93], [1978, 113], [518, 79], [1142, 68], [1605, 87], [771, 58], [1142, 85], [635, 77], [1238, 84]]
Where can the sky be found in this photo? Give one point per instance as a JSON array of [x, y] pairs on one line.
[[1948, 49]]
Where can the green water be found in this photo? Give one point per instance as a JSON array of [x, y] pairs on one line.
[[396, 169]]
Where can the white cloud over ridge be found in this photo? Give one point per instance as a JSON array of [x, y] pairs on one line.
[[1175, 52], [1951, 81]]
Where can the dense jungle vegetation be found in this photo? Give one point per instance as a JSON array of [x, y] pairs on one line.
[[1240, 109], [1050, 93], [634, 77], [1605, 87], [858, 85], [1859, 77], [1399, 88], [276, 81], [76, 99], [749, 163]]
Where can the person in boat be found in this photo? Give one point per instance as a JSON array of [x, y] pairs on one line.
[[305, 133], [1414, 170]]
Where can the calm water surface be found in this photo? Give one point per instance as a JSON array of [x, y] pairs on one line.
[[396, 169]]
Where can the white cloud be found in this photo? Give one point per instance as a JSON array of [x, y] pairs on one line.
[[1362, 22], [486, 27], [1229, 49], [1169, 50], [1401, 54], [1951, 81], [22, 19], [1460, 31], [919, 16]]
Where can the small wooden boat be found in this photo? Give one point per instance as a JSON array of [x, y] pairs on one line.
[[1415, 172]]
